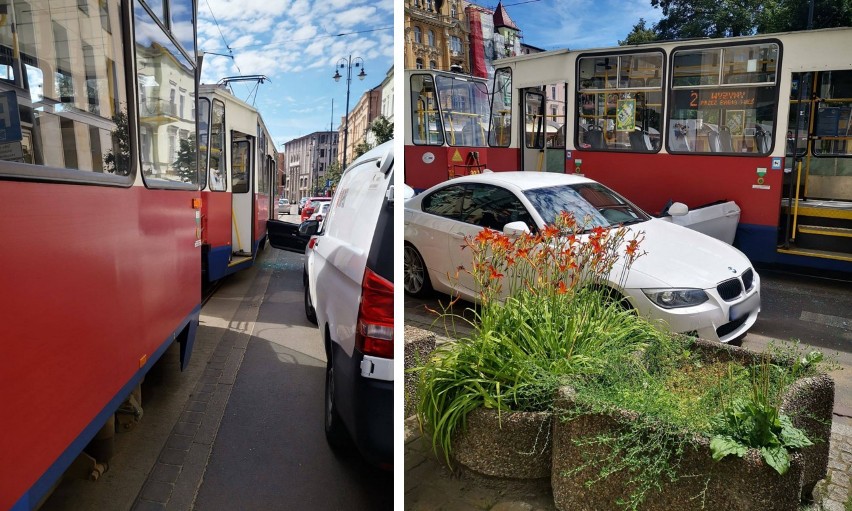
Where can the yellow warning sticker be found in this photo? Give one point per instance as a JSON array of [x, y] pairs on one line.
[[457, 157]]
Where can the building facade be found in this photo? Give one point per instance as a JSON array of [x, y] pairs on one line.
[[360, 117], [436, 35], [305, 164]]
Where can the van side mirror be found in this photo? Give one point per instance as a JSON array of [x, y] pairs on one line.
[[678, 209]]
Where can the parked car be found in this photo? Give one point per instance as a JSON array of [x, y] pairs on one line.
[[311, 206], [283, 203], [693, 282], [321, 213], [349, 294], [302, 202]]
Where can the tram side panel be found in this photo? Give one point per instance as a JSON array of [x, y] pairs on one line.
[[217, 214], [98, 282]]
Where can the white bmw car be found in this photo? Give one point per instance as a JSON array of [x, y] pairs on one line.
[[693, 283]]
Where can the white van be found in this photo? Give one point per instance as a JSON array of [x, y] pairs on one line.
[[349, 294]]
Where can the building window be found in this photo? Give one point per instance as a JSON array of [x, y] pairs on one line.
[[453, 11], [429, 5], [419, 63], [455, 45], [433, 64], [552, 92], [431, 38], [417, 37]]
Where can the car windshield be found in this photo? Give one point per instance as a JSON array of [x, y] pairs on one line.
[[592, 205]]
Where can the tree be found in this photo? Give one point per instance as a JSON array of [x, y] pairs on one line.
[[117, 159], [707, 18], [360, 149], [186, 163], [333, 174], [382, 129], [640, 34], [729, 18]]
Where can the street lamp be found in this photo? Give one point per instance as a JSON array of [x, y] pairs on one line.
[[348, 64]]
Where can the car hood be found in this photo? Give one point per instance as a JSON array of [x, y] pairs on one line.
[[676, 256]]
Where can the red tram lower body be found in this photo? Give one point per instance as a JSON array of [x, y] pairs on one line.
[[97, 283]]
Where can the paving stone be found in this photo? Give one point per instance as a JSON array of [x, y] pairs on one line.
[[180, 442], [185, 428], [156, 491], [164, 473], [147, 505], [172, 457]]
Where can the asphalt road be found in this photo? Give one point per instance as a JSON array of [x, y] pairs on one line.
[[270, 452]]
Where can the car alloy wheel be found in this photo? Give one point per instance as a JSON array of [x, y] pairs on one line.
[[415, 277]]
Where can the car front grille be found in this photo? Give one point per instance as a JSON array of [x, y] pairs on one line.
[[748, 279], [732, 288]]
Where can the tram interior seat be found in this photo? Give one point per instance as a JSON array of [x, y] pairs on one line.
[[720, 141], [595, 138], [640, 141], [762, 139], [678, 137]]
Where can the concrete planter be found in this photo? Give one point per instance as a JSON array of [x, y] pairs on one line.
[[515, 445], [733, 483], [419, 344]]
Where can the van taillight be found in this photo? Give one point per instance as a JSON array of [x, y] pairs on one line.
[[375, 316]]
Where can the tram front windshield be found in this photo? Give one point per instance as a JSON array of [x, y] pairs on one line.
[[464, 110]]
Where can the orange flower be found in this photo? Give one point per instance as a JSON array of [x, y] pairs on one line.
[[550, 231], [494, 273], [632, 246], [562, 288]]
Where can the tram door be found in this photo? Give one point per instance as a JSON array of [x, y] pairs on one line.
[[242, 197], [818, 149], [532, 130]]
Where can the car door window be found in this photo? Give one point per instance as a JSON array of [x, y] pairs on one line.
[[445, 202], [493, 207]]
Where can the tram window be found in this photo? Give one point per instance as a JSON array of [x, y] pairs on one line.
[[203, 137], [464, 109], [500, 130], [426, 126], [180, 12], [723, 100], [217, 147], [43, 59], [620, 102], [240, 166], [833, 119], [160, 69]]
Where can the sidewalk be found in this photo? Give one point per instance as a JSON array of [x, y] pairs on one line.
[[429, 484]]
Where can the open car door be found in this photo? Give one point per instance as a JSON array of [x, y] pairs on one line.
[[285, 235]]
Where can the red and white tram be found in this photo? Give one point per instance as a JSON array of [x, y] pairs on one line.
[[100, 224], [238, 163], [765, 121]]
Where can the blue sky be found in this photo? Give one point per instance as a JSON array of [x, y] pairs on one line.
[[577, 24], [296, 44]]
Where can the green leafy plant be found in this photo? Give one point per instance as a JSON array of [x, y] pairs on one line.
[[756, 422]]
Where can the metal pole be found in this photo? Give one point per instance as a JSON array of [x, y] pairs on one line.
[[330, 139], [346, 125]]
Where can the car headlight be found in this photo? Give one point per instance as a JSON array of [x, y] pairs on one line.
[[675, 298]]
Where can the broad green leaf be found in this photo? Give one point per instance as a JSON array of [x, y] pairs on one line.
[[722, 446], [777, 458], [792, 436]]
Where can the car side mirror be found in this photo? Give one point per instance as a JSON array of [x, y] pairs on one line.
[[309, 227], [678, 209], [515, 229]]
